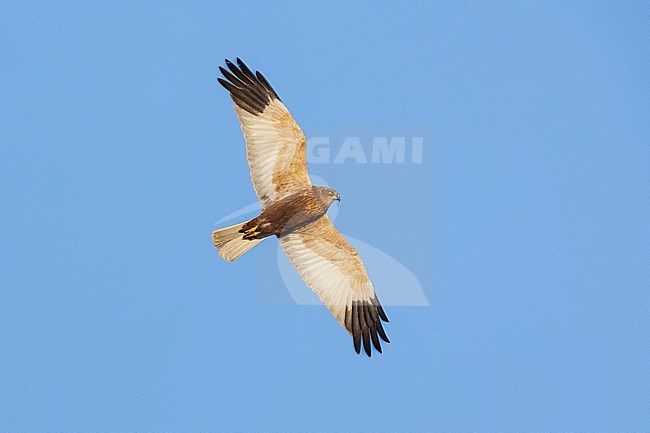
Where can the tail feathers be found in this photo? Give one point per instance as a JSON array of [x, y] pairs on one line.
[[230, 243]]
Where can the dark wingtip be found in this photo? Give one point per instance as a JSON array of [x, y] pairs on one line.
[[246, 89], [363, 320]]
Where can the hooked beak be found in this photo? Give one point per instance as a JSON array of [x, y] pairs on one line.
[[338, 198]]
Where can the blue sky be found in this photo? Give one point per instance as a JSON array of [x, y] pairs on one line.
[[526, 224]]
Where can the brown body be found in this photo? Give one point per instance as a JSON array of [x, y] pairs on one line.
[[290, 213]]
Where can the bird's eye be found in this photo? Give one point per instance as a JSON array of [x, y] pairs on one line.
[[330, 193]]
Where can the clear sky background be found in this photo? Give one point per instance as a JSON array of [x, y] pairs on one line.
[[527, 223]]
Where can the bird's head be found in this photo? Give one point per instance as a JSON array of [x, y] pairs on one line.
[[327, 195]]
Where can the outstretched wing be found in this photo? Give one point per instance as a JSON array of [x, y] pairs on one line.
[[332, 268], [275, 144]]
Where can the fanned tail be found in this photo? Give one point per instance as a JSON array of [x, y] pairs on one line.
[[231, 243]]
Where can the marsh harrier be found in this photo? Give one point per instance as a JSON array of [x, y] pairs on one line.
[[294, 210]]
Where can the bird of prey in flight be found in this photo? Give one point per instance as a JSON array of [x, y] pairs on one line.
[[295, 211]]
